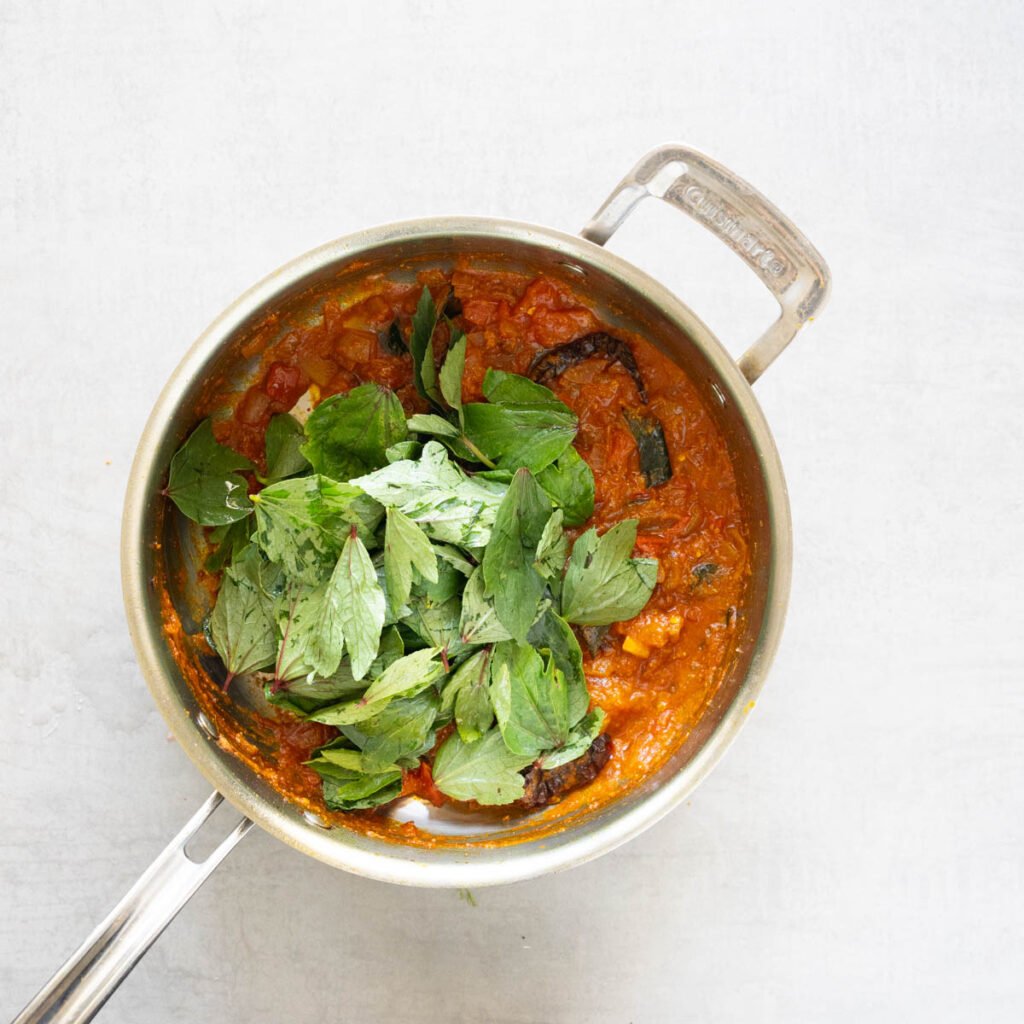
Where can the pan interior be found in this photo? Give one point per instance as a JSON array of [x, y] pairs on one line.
[[167, 544]]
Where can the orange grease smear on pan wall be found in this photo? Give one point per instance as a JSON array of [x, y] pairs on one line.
[[686, 634]]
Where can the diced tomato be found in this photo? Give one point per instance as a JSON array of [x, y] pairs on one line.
[[253, 408], [479, 312], [284, 384]]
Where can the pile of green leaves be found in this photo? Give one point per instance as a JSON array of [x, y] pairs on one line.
[[394, 575]]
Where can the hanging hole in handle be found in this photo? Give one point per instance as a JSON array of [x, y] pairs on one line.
[[708, 276], [665, 177], [217, 827]]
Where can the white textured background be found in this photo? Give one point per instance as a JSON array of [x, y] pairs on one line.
[[858, 855]]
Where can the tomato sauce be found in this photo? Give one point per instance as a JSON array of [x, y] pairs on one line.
[[653, 675]]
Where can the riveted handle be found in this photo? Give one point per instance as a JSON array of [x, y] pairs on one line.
[[81, 987], [770, 244]]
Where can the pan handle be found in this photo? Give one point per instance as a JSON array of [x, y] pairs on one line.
[[790, 267], [78, 990]]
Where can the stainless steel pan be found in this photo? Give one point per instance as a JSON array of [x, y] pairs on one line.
[[473, 853]]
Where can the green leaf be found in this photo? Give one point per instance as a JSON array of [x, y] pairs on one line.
[[242, 628], [435, 493], [300, 621], [203, 481], [402, 731], [348, 785], [230, 539], [453, 438], [406, 548], [485, 770], [302, 523], [436, 622], [403, 450], [551, 633], [361, 792], [350, 434], [307, 693], [578, 742], [318, 628], [360, 604], [283, 442], [455, 558], [569, 483], [479, 623], [466, 694], [424, 370], [530, 698], [521, 424], [602, 583], [552, 548], [405, 677], [431, 423], [452, 370], [347, 610], [449, 581], [509, 575]]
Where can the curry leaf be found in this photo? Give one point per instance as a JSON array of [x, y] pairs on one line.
[[602, 583], [242, 627], [350, 434], [569, 483], [424, 370], [508, 571], [530, 698], [360, 604], [485, 770], [302, 523], [203, 480], [521, 424], [435, 493], [406, 547], [283, 441]]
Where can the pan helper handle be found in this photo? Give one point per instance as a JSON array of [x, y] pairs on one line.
[[78, 990], [770, 244]]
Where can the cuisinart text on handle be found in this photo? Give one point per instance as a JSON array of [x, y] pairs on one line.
[[715, 214]]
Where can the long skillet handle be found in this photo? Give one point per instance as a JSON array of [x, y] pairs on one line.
[[790, 267], [78, 990]]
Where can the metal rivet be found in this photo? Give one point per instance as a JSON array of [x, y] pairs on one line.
[[574, 267], [206, 725], [314, 819]]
